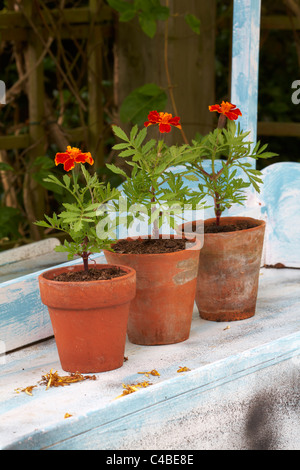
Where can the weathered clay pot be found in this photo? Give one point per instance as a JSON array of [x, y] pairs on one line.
[[228, 272], [89, 319], [162, 310]]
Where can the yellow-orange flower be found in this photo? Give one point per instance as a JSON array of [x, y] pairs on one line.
[[164, 120], [72, 156], [229, 110]]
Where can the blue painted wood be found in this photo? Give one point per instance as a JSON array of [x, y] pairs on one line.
[[245, 63], [227, 365], [281, 205]]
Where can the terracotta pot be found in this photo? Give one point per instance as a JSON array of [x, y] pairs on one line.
[[89, 319], [161, 312], [228, 272]]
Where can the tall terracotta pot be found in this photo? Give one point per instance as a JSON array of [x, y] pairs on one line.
[[161, 312], [89, 319], [228, 272]]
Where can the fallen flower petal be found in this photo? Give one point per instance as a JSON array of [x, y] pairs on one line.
[[183, 369], [54, 380], [27, 390], [152, 372], [133, 388]]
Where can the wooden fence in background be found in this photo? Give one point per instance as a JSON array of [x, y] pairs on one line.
[[26, 26], [91, 23], [34, 31], [280, 129]]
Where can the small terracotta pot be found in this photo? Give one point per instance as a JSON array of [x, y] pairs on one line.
[[161, 312], [89, 319], [228, 272]]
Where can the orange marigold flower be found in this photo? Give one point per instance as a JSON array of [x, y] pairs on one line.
[[72, 156], [164, 120], [228, 109]]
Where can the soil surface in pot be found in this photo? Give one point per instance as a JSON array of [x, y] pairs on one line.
[[239, 225], [91, 275], [149, 246]]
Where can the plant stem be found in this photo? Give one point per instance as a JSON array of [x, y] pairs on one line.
[[217, 208], [155, 230], [221, 124], [85, 261], [85, 255]]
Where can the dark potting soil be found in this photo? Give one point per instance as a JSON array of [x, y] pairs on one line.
[[240, 225], [91, 275], [149, 246]]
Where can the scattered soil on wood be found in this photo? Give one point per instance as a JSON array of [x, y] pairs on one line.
[[91, 275], [149, 246], [240, 225], [275, 266]]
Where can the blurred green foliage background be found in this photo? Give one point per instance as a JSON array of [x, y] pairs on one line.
[[279, 67]]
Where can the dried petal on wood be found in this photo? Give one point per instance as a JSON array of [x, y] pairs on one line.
[[183, 369], [152, 372], [54, 380], [133, 388], [27, 390]]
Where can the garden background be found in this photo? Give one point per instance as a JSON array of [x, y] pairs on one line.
[[72, 69]]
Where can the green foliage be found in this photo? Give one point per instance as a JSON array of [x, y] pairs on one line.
[[147, 11], [193, 22], [151, 185], [79, 219], [136, 106], [10, 217], [9, 221], [222, 184], [5, 167], [40, 170]]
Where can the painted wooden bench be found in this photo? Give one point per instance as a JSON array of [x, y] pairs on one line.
[[242, 387]]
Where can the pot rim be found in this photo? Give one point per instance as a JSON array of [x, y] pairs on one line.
[[130, 273], [196, 247], [261, 223]]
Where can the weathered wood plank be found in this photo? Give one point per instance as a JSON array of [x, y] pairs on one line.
[[14, 19], [281, 204], [245, 62], [8, 142], [95, 120], [281, 129], [228, 366], [280, 22]]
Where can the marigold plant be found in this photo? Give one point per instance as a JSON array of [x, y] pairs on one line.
[[80, 217], [229, 151], [151, 183]]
